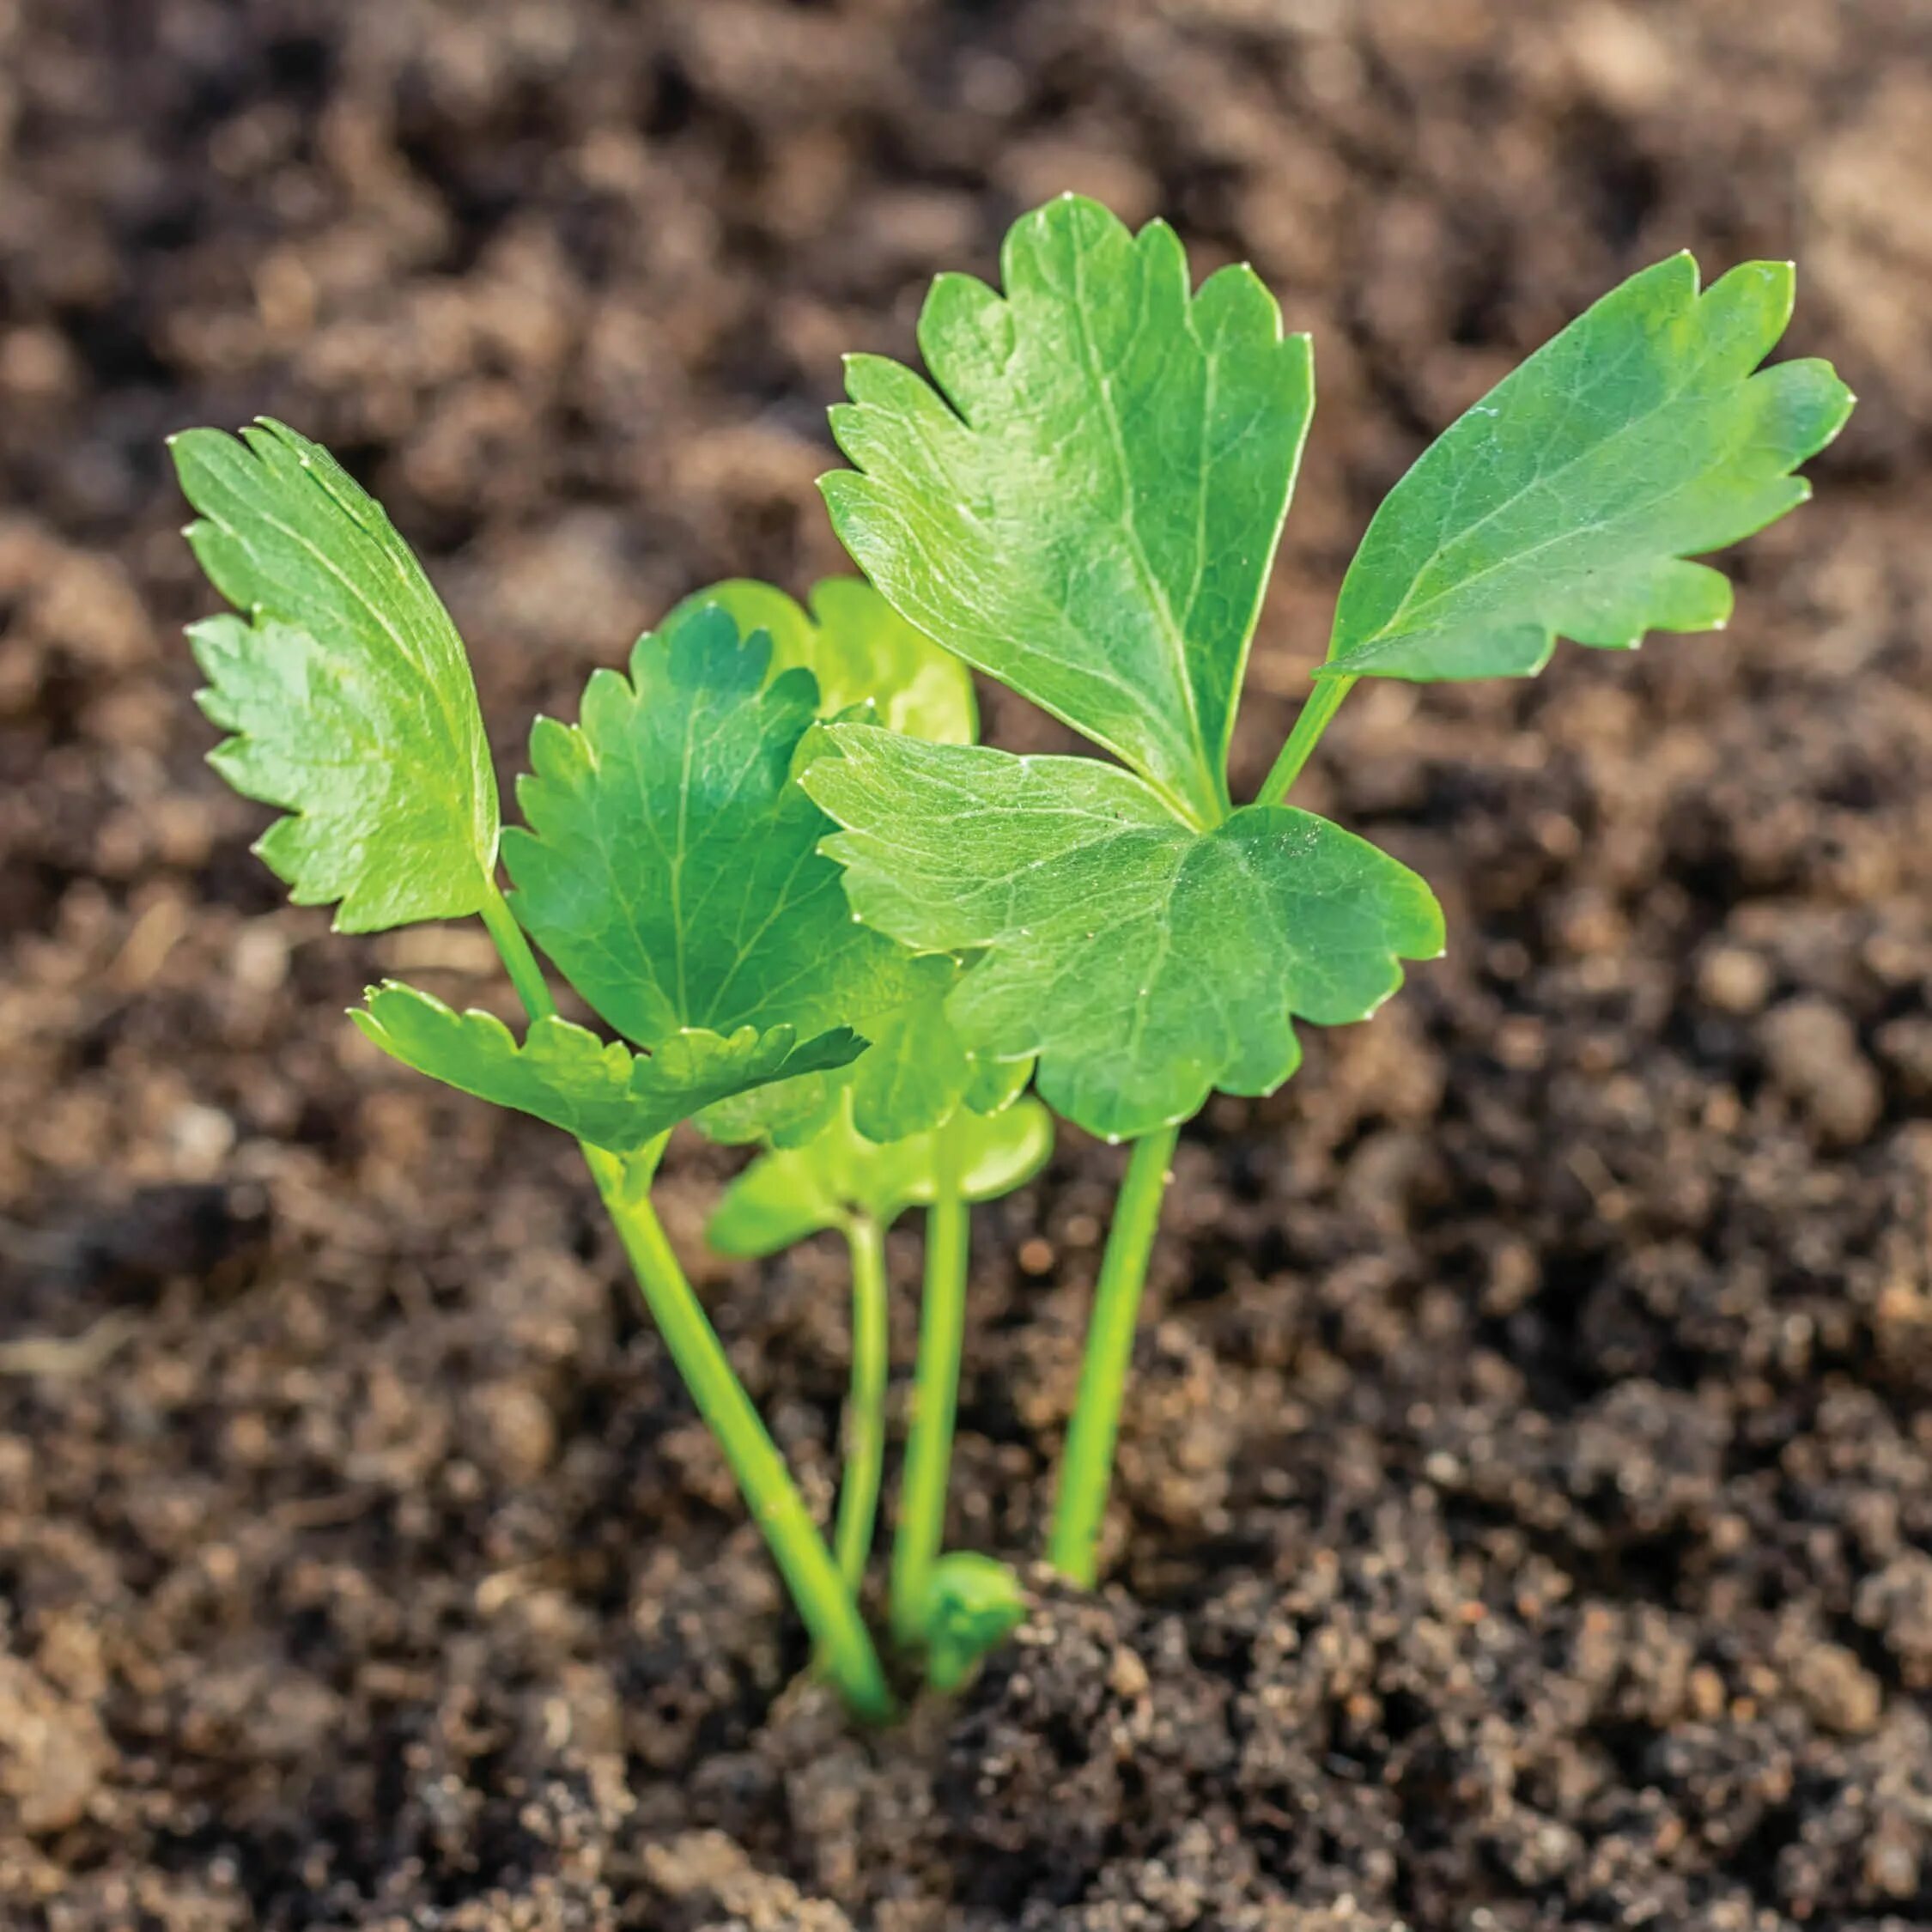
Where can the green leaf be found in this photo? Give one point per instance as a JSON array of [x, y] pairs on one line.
[[973, 1604], [1092, 519], [792, 1115], [598, 1091], [671, 870], [344, 684], [1565, 502], [784, 1196], [1143, 962], [916, 1071], [859, 649]]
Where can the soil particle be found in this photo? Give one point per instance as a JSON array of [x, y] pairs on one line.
[[1837, 1689], [54, 1754], [1811, 1050], [710, 1886]]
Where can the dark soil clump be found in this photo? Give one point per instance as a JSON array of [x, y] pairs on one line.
[[1525, 1516]]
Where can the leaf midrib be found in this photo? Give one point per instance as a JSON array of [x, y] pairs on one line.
[[1155, 591]]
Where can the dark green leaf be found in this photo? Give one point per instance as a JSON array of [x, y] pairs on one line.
[[1143, 962], [916, 1071], [671, 867]]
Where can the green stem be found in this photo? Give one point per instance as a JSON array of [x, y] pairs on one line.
[[935, 1399], [842, 1643], [844, 1646], [864, 1406], [1087, 1469], [519, 961], [1323, 702]]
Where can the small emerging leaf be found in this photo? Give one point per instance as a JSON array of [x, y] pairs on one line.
[[344, 684], [919, 1070], [1089, 513], [973, 1604], [1143, 962], [916, 1071], [671, 867], [598, 1091], [784, 1196], [859, 648], [1566, 502]]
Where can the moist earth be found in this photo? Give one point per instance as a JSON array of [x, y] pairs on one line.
[[1525, 1508]]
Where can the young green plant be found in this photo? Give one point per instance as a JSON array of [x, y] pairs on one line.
[[669, 869], [1083, 503]]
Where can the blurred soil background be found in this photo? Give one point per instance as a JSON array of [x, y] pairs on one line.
[[1525, 1509]]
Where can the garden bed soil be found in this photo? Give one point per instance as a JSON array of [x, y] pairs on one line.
[[1525, 1509]]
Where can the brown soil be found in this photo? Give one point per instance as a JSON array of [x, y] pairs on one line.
[[1526, 1507]]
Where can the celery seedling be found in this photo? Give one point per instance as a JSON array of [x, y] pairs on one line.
[[1083, 503], [670, 870]]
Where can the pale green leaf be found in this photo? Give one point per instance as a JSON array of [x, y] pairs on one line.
[[598, 1091], [916, 1071], [859, 649], [994, 1085], [1565, 502], [344, 683], [905, 1082], [919, 1069], [973, 1604], [670, 868], [1090, 514], [785, 1195], [1145, 963]]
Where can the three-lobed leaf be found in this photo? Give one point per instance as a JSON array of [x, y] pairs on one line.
[[671, 866], [1089, 511], [596, 1089], [790, 1192], [344, 685], [1145, 962], [1566, 502], [858, 647]]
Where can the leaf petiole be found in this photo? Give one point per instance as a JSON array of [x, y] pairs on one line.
[[864, 1407], [830, 1612], [843, 1645], [515, 949], [1311, 722], [935, 1397], [1087, 1461]]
